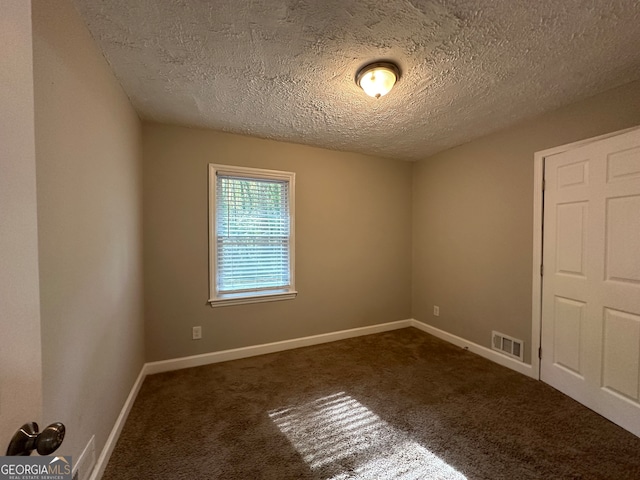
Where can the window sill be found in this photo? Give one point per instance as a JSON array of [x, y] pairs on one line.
[[242, 298]]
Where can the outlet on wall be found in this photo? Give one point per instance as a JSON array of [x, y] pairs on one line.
[[197, 333], [436, 310]]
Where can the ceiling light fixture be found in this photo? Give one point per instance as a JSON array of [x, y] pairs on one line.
[[377, 79]]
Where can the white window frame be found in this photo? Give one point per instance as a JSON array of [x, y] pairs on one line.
[[217, 299]]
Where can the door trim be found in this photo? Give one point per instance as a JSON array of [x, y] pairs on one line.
[[538, 217]]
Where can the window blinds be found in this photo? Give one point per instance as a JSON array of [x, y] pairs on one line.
[[252, 234]]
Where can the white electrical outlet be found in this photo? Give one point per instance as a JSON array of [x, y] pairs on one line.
[[436, 310], [197, 333]]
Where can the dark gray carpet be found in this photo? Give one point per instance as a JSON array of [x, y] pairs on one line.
[[397, 405]]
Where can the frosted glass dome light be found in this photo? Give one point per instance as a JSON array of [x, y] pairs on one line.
[[377, 79]]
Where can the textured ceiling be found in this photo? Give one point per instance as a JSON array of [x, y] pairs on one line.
[[284, 69]]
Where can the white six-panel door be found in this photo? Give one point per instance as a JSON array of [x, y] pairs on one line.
[[591, 282]]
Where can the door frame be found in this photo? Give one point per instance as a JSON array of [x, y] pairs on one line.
[[538, 223]]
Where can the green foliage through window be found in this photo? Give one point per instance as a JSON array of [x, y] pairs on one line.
[[252, 234]]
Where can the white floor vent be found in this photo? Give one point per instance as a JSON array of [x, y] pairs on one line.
[[87, 460], [510, 346]]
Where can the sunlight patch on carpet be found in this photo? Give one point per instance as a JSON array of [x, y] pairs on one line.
[[343, 439]]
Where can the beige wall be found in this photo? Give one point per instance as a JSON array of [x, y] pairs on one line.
[[89, 190], [353, 242], [20, 366], [473, 217]]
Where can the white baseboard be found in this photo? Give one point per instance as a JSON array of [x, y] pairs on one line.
[[485, 352], [103, 459], [252, 351]]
